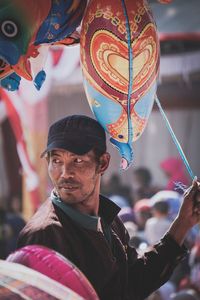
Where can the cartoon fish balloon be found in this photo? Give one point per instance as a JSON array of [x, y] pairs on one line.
[[25, 27], [120, 61]]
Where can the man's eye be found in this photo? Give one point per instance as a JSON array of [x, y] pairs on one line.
[[78, 160], [56, 161]]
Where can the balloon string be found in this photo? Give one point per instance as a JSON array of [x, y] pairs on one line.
[[130, 54], [180, 150]]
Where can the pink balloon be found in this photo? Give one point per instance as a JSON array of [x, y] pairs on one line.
[[55, 266]]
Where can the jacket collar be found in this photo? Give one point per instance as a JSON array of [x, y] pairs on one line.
[[108, 210]]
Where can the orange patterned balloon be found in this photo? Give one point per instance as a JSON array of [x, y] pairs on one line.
[[120, 59]]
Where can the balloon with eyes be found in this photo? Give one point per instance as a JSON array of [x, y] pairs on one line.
[[28, 29], [120, 60]]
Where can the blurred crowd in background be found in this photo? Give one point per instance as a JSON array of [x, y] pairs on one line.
[[146, 211]]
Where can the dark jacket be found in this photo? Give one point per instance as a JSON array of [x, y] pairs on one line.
[[114, 269]]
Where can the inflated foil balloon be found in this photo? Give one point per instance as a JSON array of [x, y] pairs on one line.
[[120, 60], [25, 27], [55, 266], [19, 282]]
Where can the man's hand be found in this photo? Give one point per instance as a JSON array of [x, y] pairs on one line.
[[189, 213], [190, 209]]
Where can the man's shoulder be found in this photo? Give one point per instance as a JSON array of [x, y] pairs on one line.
[[43, 217], [41, 227]]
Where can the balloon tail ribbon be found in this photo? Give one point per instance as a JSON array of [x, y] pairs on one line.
[[174, 138]]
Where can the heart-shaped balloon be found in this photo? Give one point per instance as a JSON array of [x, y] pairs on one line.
[[120, 60]]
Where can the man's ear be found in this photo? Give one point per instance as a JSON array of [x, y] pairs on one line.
[[104, 162], [47, 159]]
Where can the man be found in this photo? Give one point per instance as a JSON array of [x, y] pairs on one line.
[[83, 226]]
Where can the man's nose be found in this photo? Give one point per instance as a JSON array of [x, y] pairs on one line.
[[67, 170]]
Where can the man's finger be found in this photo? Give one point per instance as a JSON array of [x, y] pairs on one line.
[[191, 190], [194, 180]]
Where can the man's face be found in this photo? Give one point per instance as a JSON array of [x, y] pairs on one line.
[[76, 178]]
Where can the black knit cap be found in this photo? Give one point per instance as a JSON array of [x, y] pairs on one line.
[[77, 134]]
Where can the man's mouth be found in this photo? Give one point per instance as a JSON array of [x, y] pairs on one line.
[[68, 187]]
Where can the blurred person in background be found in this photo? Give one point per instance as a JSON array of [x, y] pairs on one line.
[[194, 262], [188, 294], [142, 211], [158, 224], [120, 193], [174, 200], [128, 218], [142, 184], [15, 220], [163, 293], [174, 170], [155, 228], [111, 186], [6, 231]]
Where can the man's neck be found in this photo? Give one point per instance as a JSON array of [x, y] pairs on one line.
[[86, 208], [89, 206]]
